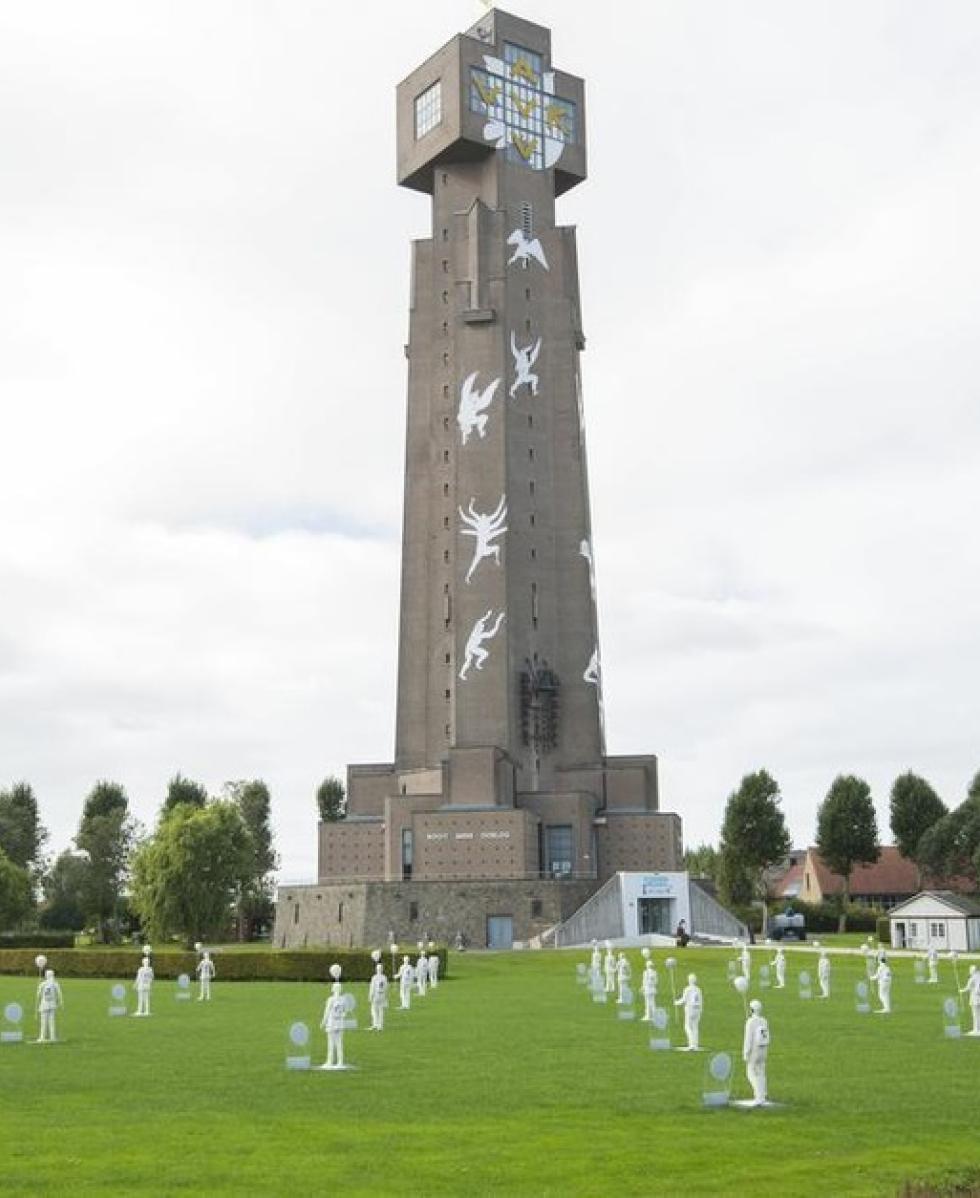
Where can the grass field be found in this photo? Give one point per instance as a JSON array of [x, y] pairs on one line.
[[507, 1079]]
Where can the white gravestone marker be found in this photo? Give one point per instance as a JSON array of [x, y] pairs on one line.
[[117, 999], [951, 1019], [861, 998], [805, 989], [183, 987], [717, 1081], [13, 1013], [299, 1037], [626, 1010], [763, 977], [350, 1023], [920, 972], [661, 1041]]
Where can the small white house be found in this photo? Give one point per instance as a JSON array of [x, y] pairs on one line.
[[936, 919]]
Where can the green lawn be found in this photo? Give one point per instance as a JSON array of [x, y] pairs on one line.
[[506, 1080]]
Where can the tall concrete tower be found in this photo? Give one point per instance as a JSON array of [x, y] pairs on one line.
[[500, 769]]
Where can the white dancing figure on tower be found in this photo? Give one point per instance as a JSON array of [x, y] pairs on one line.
[[486, 528], [525, 249], [473, 406], [524, 360], [475, 654]]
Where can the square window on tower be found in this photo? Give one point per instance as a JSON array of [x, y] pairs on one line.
[[428, 110]]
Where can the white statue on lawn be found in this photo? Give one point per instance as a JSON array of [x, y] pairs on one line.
[[648, 988], [205, 974], [433, 970], [596, 963], [609, 969], [49, 999], [143, 985], [932, 957], [823, 973], [406, 977], [378, 998], [691, 1000], [883, 976], [972, 988], [745, 958], [332, 1023], [421, 974], [755, 1049], [779, 965], [623, 974]]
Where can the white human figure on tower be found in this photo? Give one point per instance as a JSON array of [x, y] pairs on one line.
[[591, 674], [779, 964], [485, 528], [378, 998], [755, 1050], [433, 970], [405, 976], [609, 968], [49, 999], [333, 1024], [421, 974], [883, 976], [526, 249], [746, 961], [623, 974], [143, 985], [473, 406], [205, 974], [932, 957], [823, 973], [524, 360], [648, 988], [475, 654], [692, 1001], [972, 988]]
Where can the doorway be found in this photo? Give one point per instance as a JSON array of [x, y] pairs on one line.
[[653, 915], [500, 931]]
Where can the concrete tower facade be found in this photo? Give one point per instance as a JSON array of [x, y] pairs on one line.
[[500, 770]]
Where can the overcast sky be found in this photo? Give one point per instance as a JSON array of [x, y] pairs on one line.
[[203, 302]]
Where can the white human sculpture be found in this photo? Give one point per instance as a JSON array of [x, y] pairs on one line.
[[433, 970], [691, 1000], [823, 973], [648, 988], [596, 962], [591, 674], [421, 975], [779, 965], [524, 360], [205, 974], [378, 998], [585, 550], [485, 528], [972, 988], [525, 249], [883, 976], [473, 406], [755, 1049], [406, 977], [49, 999], [932, 957], [333, 1024], [475, 654], [609, 969], [745, 960], [143, 985], [623, 974]]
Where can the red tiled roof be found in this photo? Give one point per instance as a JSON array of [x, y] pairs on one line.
[[891, 874], [790, 882]]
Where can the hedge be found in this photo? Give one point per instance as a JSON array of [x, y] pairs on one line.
[[884, 929], [39, 938], [305, 965]]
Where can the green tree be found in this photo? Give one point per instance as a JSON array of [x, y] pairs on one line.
[[914, 808], [255, 905], [753, 835], [951, 846], [184, 790], [22, 835], [331, 799], [105, 835], [187, 875], [16, 893], [847, 832], [702, 862], [64, 888]]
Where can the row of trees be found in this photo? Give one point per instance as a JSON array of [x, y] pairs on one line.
[[207, 862], [754, 837]]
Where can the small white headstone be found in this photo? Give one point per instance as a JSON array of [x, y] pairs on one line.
[[350, 1023], [660, 1042], [920, 972], [718, 1080], [764, 977], [13, 1013], [805, 990], [117, 996], [183, 987], [951, 1019], [861, 998], [299, 1036]]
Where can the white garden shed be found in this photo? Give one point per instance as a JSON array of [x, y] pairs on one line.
[[936, 919]]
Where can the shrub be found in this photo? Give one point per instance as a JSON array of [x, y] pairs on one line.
[[302, 965], [37, 939], [884, 929]]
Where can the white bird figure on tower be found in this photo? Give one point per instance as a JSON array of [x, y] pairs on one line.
[[475, 653], [473, 405], [485, 528], [524, 360], [525, 249], [592, 674]]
